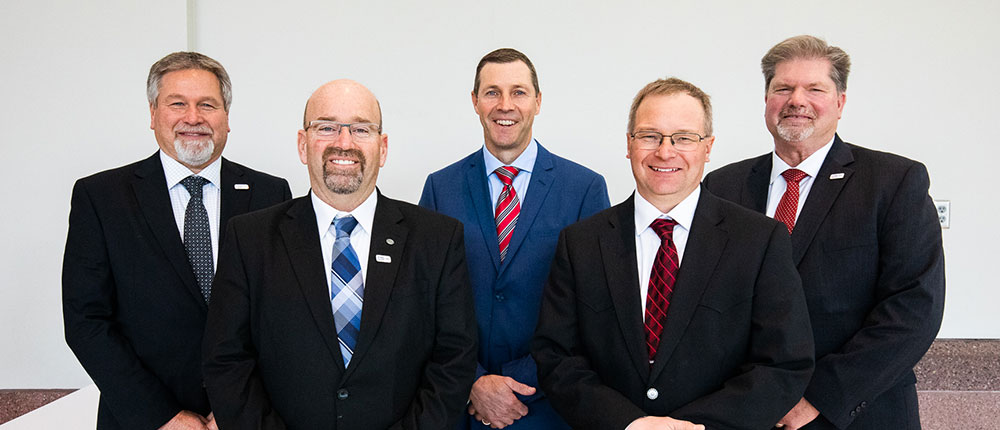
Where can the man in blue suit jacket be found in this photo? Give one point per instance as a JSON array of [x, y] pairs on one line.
[[551, 193]]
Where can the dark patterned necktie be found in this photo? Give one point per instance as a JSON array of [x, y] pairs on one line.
[[347, 287], [508, 207], [198, 236], [661, 283]]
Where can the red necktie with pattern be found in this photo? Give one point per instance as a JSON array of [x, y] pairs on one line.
[[508, 207], [661, 283], [789, 203]]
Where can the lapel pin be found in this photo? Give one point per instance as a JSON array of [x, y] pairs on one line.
[[836, 176], [383, 258], [389, 241], [241, 186]]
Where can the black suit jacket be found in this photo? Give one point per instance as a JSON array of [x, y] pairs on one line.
[[133, 312], [867, 244], [736, 350], [272, 358]]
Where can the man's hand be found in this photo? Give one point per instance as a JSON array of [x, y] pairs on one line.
[[186, 420], [663, 423], [211, 425], [493, 401], [803, 413]]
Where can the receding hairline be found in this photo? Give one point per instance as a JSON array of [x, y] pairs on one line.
[[335, 85]]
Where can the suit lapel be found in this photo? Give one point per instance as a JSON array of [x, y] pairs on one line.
[[618, 256], [705, 244], [388, 238], [542, 176], [823, 193], [150, 188], [298, 231], [479, 193], [234, 201], [754, 194]]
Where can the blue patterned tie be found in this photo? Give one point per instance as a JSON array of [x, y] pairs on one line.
[[347, 288], [197, 236]]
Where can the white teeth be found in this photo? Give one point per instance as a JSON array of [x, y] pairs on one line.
[[505, 122], [664, 170], [344, 162]]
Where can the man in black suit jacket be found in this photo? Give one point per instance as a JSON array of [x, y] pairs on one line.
[[866, 242], [735, 349], [284, 346], [134, 311]]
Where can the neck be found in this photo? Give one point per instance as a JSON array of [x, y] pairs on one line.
[[507, 155], [794, 153], [342, 202]]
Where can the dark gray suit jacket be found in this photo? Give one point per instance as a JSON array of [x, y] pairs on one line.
[[133, 312], [272, 357], [867, 244]]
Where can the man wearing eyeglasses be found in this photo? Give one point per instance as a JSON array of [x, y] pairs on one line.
[[865, 238], [141, 248], [674, 309], [343, 309], [514, 196]]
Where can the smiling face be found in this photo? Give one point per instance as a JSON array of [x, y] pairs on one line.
[[188, 118], [803, 106], [665, 176], [507, 104], [342, 171]]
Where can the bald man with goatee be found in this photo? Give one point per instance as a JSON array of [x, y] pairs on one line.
[[342, 309]]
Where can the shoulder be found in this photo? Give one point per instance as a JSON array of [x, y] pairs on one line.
[[871, 158], [458, 167], [735, 170], [257, 176], [255, 221], [418, 216], [117, 175]]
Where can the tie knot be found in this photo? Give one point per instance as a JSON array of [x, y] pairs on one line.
[[506, 174], [345, 225], [193, 184], [664, 228], [793, 175]]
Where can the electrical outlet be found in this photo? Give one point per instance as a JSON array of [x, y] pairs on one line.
[[944, 212]]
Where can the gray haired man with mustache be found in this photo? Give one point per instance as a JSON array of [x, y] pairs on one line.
[[141, 251]]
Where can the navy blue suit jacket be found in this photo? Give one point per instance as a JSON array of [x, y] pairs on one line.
[[867, 244], [508, 295]]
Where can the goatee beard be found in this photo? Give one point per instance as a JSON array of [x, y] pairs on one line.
[[342, 183], [194, 153]]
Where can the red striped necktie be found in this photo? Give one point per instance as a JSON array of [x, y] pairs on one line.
[[508, 207], [661, 283]]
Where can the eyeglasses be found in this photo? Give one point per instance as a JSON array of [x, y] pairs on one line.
[[682, 141], [361, 132]]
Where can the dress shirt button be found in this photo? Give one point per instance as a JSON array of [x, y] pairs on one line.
[[864, 404], [652, 394], [500, 297], [343, 394]]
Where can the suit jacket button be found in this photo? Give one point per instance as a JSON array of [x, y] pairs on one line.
[[343, 394], [652, 394], [499, 297], [864, 404]]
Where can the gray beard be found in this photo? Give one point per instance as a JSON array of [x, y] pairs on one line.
[[194, 153], [795, 134], [339, 183]]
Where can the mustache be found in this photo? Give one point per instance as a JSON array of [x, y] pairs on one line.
[[352, 153], [183, 128], [798, 111]]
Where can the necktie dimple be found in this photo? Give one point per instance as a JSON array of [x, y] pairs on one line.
[[347, 287], [789, 204], [661, 283], [508, 207], [198, 236]]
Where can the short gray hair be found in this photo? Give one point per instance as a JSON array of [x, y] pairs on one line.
[[186, 61], [807, 47]]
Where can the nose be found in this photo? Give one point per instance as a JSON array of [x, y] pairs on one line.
[[798, 97], [344, 138], [506, 103], [192, 116], [666, 149]]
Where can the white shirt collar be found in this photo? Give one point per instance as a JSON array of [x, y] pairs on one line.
[[325, 214], [683, 213], [810, 165], [524, 162], [175, 172]]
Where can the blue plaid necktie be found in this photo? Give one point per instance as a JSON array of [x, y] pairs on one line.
[[347, 288], [198, 236]]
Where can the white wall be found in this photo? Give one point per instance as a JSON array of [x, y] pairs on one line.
[[73, 74]]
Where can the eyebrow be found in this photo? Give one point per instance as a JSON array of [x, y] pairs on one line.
[[354, 120]]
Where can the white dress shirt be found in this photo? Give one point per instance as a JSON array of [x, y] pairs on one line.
[[524, 162], [175, 172], [361, 236], [647, 242], [778, 184]]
